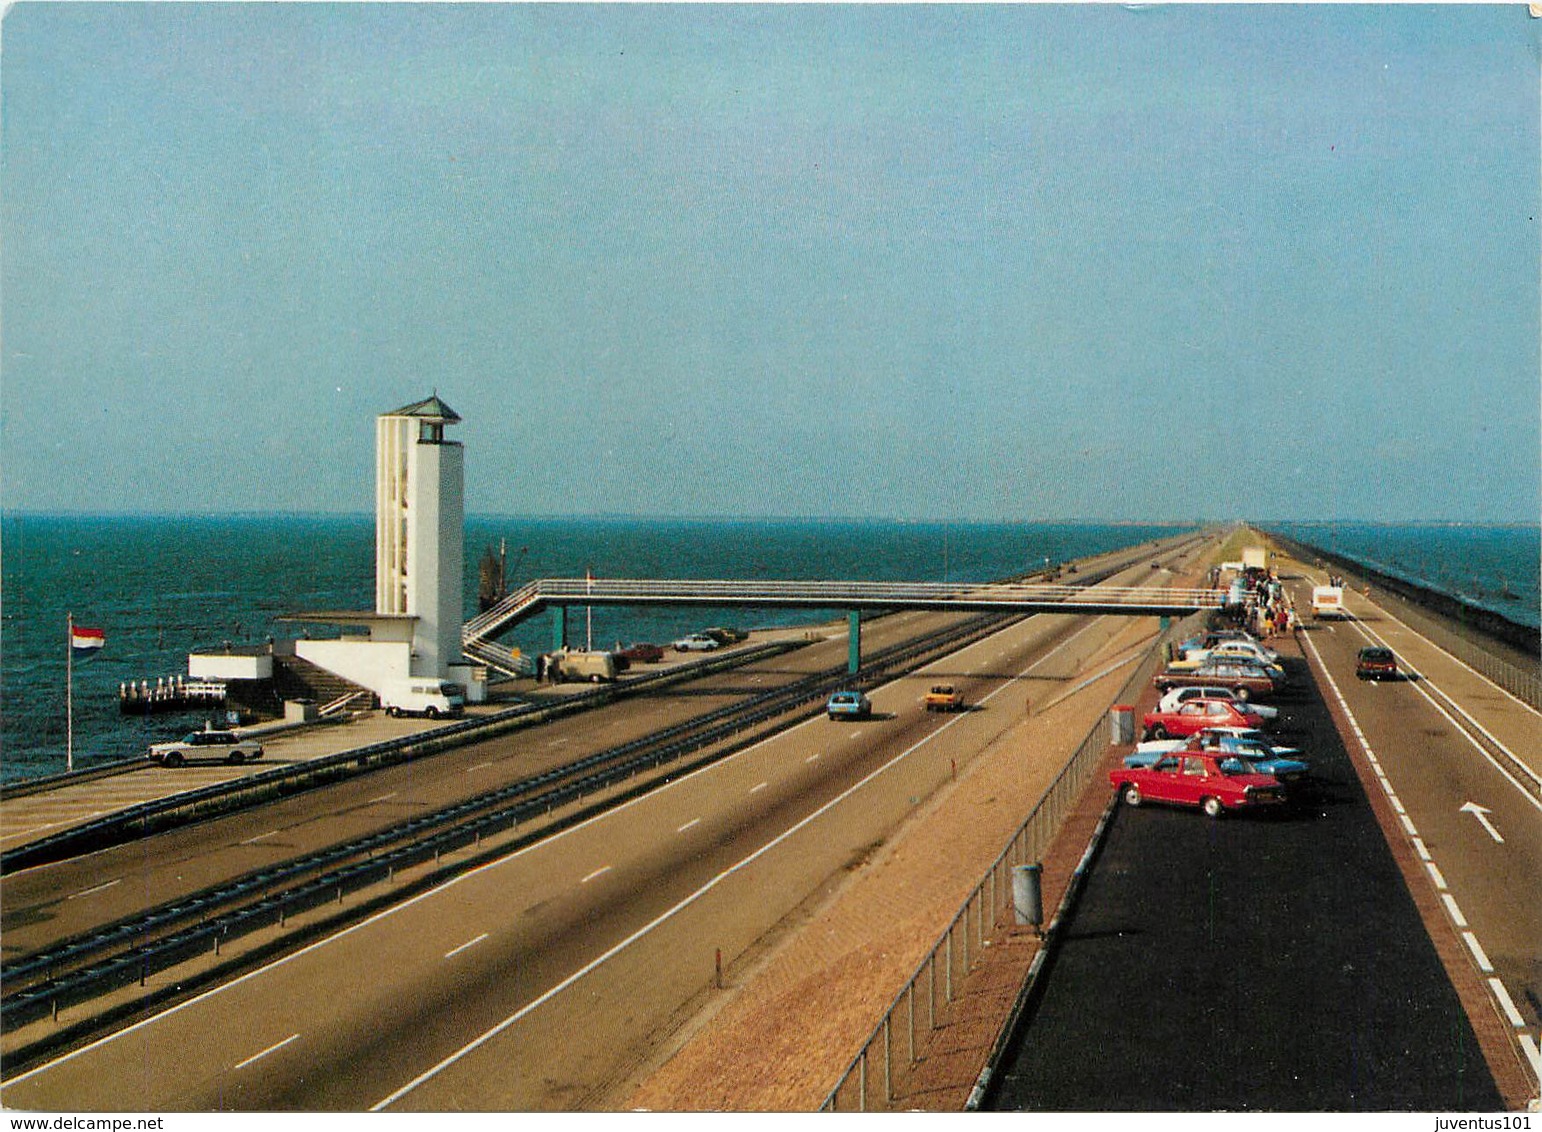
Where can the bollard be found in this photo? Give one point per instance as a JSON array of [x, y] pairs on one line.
[[1028, 896]]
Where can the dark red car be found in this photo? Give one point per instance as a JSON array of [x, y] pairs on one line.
[[1193, 716], [1197, 778], [1375, 664], [638, 654]]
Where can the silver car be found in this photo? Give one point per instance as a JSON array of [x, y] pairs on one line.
[[206, 746]]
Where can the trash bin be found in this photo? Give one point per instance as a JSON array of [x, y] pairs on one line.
[[1121, 719]]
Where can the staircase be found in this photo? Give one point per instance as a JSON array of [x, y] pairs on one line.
[[297, 679]]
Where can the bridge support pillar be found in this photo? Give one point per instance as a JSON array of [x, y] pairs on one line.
[[854, 641], [559, 627]]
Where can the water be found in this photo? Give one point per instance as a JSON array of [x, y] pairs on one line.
[[161, 587], [1494, 567]]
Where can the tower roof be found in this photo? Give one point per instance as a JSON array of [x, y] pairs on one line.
[[430, 409]]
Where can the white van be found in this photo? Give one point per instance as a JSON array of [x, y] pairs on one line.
[[423, 696], [1328, 601]]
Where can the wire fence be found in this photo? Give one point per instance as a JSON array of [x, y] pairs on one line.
[[877, 1076]]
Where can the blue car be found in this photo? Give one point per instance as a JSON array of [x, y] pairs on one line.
[[848, 705]]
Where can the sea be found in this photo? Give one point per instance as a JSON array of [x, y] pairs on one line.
[[1491, 567], [160, 587]]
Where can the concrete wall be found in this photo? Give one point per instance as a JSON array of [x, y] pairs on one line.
[[219, 666], [370, 664]]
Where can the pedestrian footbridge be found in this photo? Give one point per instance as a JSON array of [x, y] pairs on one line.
[[852, 597]]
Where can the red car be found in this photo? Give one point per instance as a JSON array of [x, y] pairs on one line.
[[643, 654], [1193, 716], [1196, 778]]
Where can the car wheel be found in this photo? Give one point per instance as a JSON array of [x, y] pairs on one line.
[[234, 758], [1241, 693], [173, 760], [394, 712], [432, 712], [1159, 732], [1212, 807], [1132, 796]]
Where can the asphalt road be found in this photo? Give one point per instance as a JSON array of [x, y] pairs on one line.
[[1265, 963], [1460, 756], [529, 983]]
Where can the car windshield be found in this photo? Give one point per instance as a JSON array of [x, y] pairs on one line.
[[1235, 764]]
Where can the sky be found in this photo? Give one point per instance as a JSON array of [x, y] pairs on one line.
[[943, 262]]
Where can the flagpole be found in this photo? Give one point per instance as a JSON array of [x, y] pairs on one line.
[[69, 692]]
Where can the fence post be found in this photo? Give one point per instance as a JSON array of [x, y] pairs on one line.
[[888, 1061]]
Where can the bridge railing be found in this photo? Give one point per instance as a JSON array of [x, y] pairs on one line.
[[824, 595], [877, 1077]]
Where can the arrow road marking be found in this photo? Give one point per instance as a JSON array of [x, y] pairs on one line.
[[1482, 813]]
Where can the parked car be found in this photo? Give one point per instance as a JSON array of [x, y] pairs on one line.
[[696, 642], [848, 705], [1196, 715], [640, 654], [1231, 652], [1246, 681], [1284, 763], [1373, 663], [1195, 648], [725, 637], [1184, 692], [1198, 778], [206, 746]]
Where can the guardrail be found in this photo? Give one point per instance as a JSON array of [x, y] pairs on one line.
[[131, 950], [217, 797], [897, 1044]]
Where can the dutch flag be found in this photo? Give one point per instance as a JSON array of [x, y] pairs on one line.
[[85, 642]]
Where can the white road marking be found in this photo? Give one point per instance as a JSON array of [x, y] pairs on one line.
[[812, 758], [687, 825], [1506, 1003], [97, 888], [275, 1047], [1435, 875], [601, 871], [758, 787], [28, 832], [259, 837], [383, 798], [1456, 912], [1533, 1054], [454, 951], [1478, 953], [1482, 813], [479, 766]]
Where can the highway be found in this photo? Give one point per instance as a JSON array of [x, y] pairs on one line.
[[1460, 758], [1319, 960], [532, 982]]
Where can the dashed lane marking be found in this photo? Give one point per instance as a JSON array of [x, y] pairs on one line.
[[94, 889], [274, 1048], [599, 872], [454, 951]]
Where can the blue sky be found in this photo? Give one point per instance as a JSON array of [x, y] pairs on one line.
[[946, 262]]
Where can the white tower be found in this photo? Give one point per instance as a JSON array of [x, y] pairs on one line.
[[419, 530]]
